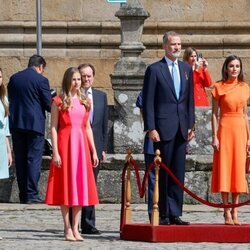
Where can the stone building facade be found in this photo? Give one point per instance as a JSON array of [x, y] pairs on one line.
[[81, 31], [88, 31]]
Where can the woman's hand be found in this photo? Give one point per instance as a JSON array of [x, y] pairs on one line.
[[57, 160], [9, 159], [215, 143], [95, 160]]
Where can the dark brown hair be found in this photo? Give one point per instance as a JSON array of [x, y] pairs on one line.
[[36, 61], [225, 65], [85, 65], [188, 52]]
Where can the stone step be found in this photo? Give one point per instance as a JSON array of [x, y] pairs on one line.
[[197, 179]]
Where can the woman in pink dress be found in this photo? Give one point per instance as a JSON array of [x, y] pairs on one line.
[[201, 76], [71, 181]]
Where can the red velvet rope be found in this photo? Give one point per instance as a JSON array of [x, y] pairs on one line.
[[211, 204], [142, 187]]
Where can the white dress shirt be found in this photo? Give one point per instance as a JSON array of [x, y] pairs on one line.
[[89, 94]]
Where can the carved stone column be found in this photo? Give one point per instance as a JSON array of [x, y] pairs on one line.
[[127, 78]]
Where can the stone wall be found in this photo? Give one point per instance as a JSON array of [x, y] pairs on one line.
[[88, 31]]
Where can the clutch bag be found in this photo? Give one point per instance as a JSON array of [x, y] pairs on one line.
[[248, 163]]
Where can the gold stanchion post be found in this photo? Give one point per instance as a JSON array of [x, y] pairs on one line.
[[155, 212], [127, 218]]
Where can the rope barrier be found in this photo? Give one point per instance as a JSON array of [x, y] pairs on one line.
[[142, 187], [211, 204]]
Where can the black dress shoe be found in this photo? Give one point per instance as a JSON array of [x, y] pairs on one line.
[[35, 201], [91, 231], [164, 221], [178, 221]]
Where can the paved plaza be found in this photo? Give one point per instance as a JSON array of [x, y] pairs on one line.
[[41, 227]]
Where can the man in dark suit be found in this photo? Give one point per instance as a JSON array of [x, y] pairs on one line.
[[29, 97], [99, 124], [168, 110]]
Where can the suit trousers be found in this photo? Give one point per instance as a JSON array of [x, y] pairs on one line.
[[173, 155], [28, 149], [88, 212]]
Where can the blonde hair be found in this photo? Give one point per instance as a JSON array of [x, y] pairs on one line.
[[66, 86], [3, 94]]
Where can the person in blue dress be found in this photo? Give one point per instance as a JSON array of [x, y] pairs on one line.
[[5, 151]]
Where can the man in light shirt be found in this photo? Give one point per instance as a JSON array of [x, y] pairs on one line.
[[168, 112], [99, 123]]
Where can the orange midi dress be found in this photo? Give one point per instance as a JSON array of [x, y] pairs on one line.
[[228, 173]]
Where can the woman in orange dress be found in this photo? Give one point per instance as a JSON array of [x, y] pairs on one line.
[[231, 139], [201, 76]]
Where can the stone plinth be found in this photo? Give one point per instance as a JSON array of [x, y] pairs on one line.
[[128, 129], [127, 79]]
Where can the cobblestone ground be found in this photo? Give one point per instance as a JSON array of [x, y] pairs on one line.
[[41, 227]]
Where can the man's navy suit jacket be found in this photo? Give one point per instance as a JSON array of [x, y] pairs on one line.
[[29, 97], [161, 108], [100, 121]]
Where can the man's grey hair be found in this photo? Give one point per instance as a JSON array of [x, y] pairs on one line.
[[168, 34]]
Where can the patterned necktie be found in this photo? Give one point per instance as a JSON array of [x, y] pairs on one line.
[[176, 79]]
